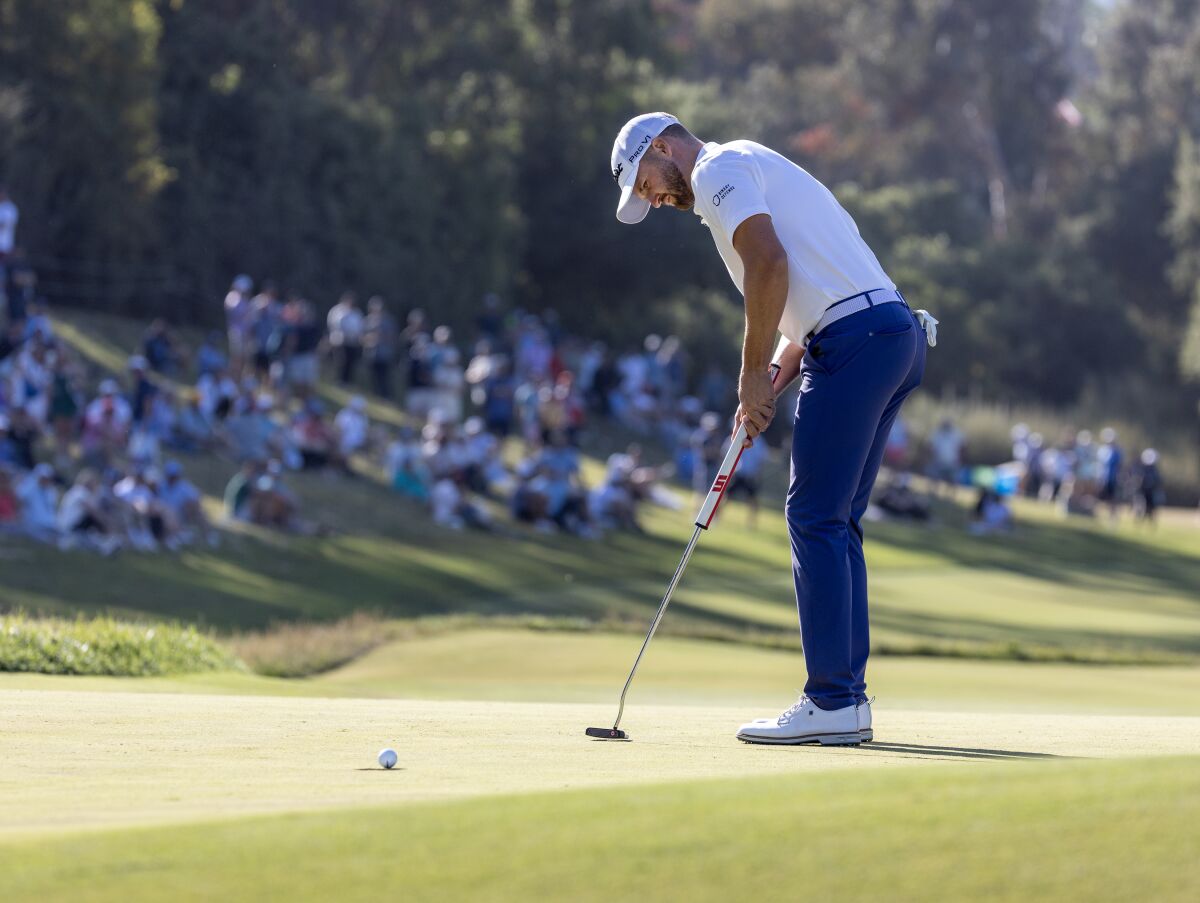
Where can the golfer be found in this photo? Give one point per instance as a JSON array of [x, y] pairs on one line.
[[804, 270]]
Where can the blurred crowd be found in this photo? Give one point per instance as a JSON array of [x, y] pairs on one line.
[[492, 429], [1082, 473]]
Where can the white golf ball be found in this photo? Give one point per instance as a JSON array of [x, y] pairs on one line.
[[387, 758]]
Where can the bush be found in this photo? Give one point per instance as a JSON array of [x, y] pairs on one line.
[[103, 646]]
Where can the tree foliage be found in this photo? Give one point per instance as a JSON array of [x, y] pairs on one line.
[[1025, 168]]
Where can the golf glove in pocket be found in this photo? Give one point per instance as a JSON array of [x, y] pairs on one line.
[[929, 324]]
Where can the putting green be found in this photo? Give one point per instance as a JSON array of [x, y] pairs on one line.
[[98, 760]]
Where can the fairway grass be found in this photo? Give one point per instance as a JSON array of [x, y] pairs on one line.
[[551, 666], [1019, 831]]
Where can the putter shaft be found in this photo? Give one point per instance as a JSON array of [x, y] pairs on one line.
[[662, 608]]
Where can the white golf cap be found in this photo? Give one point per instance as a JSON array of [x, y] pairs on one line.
[[627, 151]]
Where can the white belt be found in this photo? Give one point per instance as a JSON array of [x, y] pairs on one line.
[[855, 303]]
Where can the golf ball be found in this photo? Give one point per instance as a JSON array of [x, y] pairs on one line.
[[387, 758]]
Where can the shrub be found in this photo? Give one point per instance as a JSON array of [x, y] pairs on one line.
[[104, 646]]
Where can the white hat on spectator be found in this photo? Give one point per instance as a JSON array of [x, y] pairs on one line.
[[473, 426], [137, 362], [358, 403], [264, 402], [109, 387], [243, 283]]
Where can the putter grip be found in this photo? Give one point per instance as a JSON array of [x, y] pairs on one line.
[[725, 472]]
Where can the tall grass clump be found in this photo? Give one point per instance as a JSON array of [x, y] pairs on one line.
[[104, 646], [305, 649]]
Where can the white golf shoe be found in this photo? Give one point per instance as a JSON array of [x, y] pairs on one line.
[[806, 722], [863, 709]]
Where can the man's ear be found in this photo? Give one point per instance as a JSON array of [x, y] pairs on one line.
[[662, 145]]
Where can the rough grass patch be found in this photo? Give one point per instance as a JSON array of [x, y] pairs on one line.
[[104, 646], [305, 649]]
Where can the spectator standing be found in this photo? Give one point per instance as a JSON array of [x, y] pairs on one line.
[[20, 284], [160, 349], [9, 216], [237, 322], [142, 391], [345, 326], [1150, 496], [1110, 459], [946, 448], [266, 329], [380, 339], [302, 343], [746, 479]]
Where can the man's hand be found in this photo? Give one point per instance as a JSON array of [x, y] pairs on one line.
[[756, 403]]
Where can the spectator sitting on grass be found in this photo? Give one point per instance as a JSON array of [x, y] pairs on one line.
[[38, 495], [82, 519], [182, 501], [992, 514], [239, 490], [405, 466], [150, 523], [250, 431], [898, 500], [209, 356], [9, 455], [10, 505], [452, 508], [216, 393], [558, 464], [485, 472], [272, 504], [315, 439], [352, 424], [193, 432]]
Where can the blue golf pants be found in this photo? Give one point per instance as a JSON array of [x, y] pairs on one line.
[[855, 376]]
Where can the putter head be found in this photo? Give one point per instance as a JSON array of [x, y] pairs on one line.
[[606, 733]]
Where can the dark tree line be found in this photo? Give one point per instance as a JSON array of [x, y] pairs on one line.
[[1029, 169]]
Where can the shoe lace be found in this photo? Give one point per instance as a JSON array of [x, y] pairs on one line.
[[793, 711]]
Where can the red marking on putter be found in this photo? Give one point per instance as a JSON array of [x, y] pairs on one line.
[[719, 483]]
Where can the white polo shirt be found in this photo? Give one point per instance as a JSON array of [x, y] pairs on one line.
[[827, 258]]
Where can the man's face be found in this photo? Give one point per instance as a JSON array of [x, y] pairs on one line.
[[661, 182]]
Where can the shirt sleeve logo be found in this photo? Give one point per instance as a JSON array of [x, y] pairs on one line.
[[721, 195]]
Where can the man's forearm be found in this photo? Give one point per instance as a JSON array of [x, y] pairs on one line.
[[766, 288]]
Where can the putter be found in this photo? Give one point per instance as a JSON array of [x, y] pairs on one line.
[[703, 520]]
